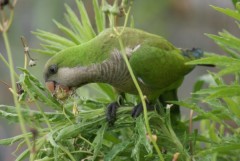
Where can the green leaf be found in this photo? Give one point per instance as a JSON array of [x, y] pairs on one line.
[[228, 42], [52, 48], [68, 32], [108, 90], [235, 68], [76, 25], [9, 112], [220, 148], [23, 155], [233, 106], [44, 159], [201, 112], [117, 148], [53, 39], [216, 60], [13, 117], [10, 141], [50, 138], [44, 52], [231, 13], [204, 79], [230, 51], [140, 127], [85, 20], [235, 1], [69, 131], [38, 90], [99, 16], [98, 140], [221, 91], [140, 139]]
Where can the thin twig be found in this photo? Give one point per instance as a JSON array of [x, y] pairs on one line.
[[7, 64], [5, 83], [13, 80], [190, 131], [26, 47], [27, 54]]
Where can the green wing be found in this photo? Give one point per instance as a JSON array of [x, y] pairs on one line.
[[159, 69]]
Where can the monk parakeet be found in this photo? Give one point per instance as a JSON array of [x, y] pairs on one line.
[[158, 66]]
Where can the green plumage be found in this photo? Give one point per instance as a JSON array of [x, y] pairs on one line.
[[157, 64], [100, 48]]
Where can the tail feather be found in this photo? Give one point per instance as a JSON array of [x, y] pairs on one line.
[[195, 53]]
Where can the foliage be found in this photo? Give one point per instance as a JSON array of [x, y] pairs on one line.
[[220, 122], [76, 129]]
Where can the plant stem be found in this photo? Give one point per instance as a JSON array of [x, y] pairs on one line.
[[142, 97], [190, 131], [13, 82], [7, 64], [67, 152], [44, 116]]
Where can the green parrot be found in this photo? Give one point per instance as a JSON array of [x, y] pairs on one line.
[[158, 66]]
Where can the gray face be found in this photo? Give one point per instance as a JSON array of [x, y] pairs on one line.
[[70, 77]]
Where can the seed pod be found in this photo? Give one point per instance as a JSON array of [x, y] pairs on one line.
[[32, 63]]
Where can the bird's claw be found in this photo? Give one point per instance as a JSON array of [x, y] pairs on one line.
[[138, 109], [111, 113]]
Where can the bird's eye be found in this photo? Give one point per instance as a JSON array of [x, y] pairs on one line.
[[53, 69]]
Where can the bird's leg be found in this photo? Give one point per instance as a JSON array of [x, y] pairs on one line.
[[112, 109], [138, 109]]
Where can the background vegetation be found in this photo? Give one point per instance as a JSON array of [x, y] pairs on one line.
[[76, 129]]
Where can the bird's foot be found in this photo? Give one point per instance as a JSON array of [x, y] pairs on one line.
[[111, 113], [138, 109]]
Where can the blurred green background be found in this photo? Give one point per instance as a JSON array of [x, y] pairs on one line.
[[182, 22]]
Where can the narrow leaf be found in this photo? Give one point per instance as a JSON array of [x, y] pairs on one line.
[[221, 91], [76, 25], [38, 89], [117, 148], [10, 141], [69, 131], [68, 32], [216, 60], [226, 40], [97, 142], [232, 13], [85, 20], [51, 48], [230, 70], [53, 38], [225, 147], [233, 106], [99, 16], [44, 52]]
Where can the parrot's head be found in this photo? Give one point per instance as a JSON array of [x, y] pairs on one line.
[[55, 79], [63, 73]]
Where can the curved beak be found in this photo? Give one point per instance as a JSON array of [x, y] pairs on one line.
[[53, 87], [50, 86]]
